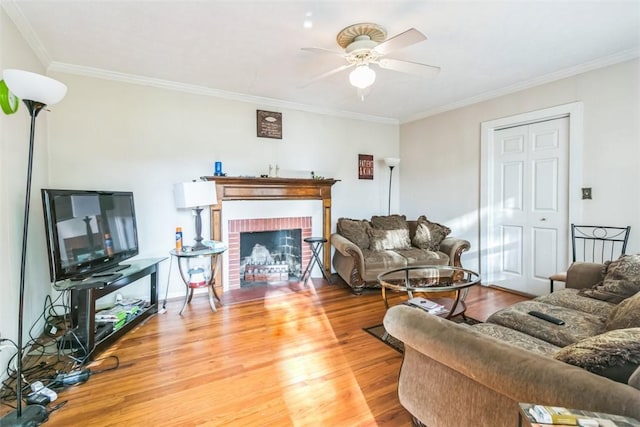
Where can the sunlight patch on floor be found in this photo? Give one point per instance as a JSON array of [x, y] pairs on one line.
[[295, 323]]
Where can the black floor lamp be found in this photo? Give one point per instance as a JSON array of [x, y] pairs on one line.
[[37, 92], [392, 162]]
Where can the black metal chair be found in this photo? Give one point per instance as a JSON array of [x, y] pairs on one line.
[[595, 243]]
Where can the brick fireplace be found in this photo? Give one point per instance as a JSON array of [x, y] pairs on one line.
[[292, 191], [257, 225]]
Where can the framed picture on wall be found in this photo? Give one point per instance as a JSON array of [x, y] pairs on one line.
[[365, 166], [269, 124]]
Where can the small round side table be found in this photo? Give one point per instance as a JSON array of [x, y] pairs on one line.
[[210, 282]]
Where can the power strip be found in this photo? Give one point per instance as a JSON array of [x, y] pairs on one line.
[[73, 377]]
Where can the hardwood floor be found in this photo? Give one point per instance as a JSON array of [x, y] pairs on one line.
[[301, 359]]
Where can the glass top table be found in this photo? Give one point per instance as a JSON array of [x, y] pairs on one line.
[[436, 279], [208, 276]]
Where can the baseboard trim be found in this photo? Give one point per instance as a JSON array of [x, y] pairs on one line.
[[511, 291]]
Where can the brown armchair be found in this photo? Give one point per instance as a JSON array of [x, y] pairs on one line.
[[594, 243]]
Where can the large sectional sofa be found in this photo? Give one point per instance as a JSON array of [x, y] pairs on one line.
[[460, 375], [366, 248]]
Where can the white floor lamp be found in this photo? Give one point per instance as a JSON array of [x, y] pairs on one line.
[[36, 91], [392, 162]]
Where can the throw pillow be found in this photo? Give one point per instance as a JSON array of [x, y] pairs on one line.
[[389, 222], [622, 280], [382, 240], [626, 314], [614, 354], [429, 234], [355, 230]]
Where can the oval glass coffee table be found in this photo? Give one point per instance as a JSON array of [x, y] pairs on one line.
[[431, 279]]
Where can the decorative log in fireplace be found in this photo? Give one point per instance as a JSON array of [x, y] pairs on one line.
[[243, 188]]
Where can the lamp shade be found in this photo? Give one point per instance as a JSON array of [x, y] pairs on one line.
[[362, 77], [34, 87], [391, 161], [195, 194]]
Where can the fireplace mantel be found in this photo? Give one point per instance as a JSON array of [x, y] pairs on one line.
[[252, 188]]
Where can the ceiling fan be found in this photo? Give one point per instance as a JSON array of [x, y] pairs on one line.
[[365, 44]]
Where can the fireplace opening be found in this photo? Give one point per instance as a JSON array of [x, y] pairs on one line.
[[270, 257]]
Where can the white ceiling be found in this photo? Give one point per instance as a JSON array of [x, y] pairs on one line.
[[252, 49]]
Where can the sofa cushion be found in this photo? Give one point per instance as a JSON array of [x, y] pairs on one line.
[[613, 354], [622, 280], [429, 234], [626, 314], [381, 240], [516, 338], [355, 231], [634, 379], [571, 298], [577, 326], [389, 222], [376, 262], [415, 256]]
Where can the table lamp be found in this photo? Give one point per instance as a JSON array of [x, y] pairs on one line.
[[195, 195]]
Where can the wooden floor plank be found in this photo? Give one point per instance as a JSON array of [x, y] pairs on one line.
[[298, 360]]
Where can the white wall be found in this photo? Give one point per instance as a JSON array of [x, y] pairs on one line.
[[118, 136], [440, 169], [14, 147]]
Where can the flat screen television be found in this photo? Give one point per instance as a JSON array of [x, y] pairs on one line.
[[88, 231]]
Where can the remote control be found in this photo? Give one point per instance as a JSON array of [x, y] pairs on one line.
[[547, 317]]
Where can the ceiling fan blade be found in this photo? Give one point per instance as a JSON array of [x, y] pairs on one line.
[[400, 41], [409, 67], [323, 51], [327, 74]]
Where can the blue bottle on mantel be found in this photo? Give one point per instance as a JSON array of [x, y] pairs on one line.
[[218, 169]]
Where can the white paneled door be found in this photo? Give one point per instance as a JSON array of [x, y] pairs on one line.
[[529, 204]]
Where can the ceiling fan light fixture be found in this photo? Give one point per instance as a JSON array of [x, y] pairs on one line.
[[362, 76]]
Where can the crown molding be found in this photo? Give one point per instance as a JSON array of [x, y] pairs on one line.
[[206, 91], [26, 30], [625, 55]]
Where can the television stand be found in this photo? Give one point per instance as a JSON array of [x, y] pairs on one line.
[[83, 303], [111, 270]]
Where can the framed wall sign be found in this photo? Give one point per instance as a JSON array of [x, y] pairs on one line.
[[269, 124], [365, 166]]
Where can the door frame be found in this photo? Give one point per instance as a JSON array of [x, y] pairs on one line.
[[575, 112]]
